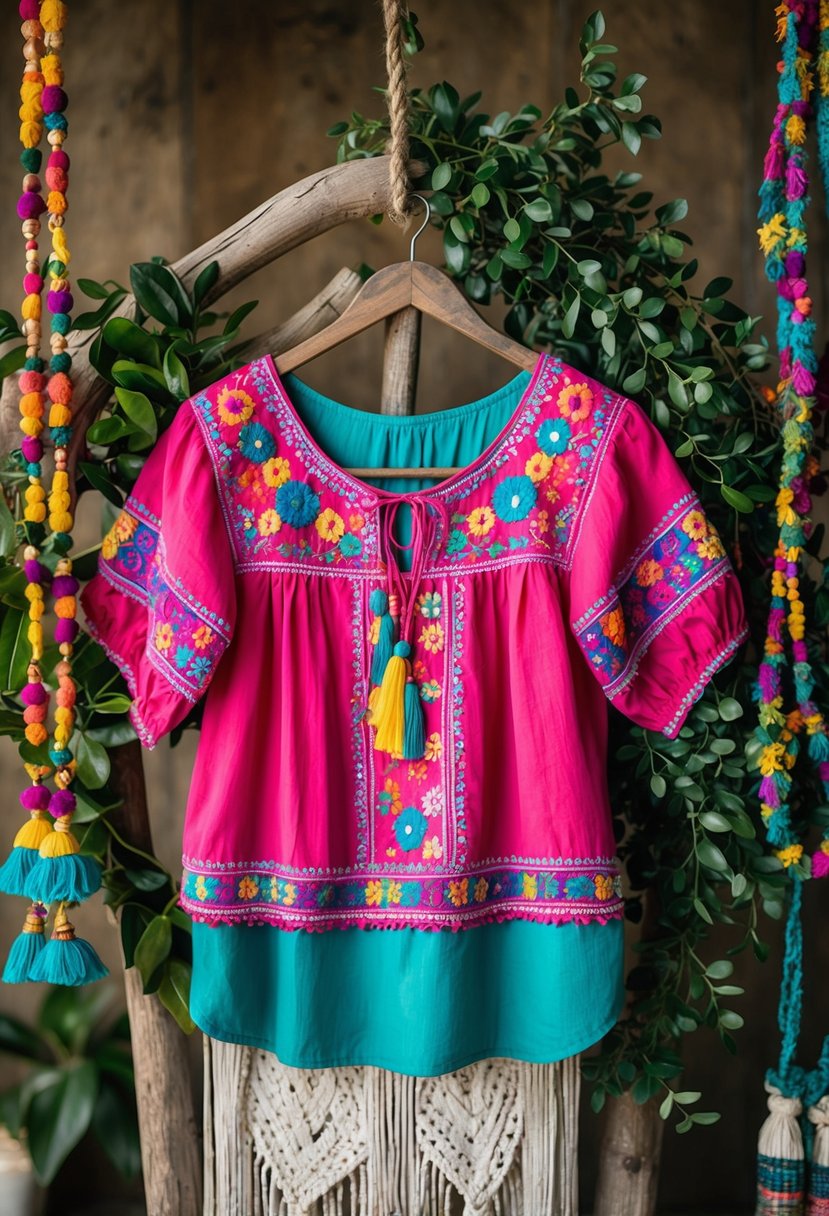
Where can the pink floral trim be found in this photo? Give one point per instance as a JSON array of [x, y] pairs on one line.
[[322, 923]]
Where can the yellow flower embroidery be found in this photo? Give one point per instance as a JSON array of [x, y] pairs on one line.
[[575, 401], [394, 893], [329, 525], [604, 886], [459, 892], [649, 572], [431, 637], [374, 893], [613, 626], [109, 545], [275, 890], [711, 547], [248, 888], [276, 471], [418, 770], [538, 466], [125, 525], [432, 848], [530, 886], [269, 522], [434, 747], [481, 521], [481, 888], [202, 637], [695, 524], [240, 409], [201, 887], [163, 637], [290, 894]]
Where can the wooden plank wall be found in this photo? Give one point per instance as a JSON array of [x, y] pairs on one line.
[[186, 115]]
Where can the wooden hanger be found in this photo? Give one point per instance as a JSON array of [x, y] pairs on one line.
[[402, 285]]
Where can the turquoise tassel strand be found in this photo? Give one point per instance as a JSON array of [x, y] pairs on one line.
[[72, 877], [414, 741], [26, 948], [383, 646], [66, 959]]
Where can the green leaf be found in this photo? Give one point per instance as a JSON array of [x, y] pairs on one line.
[[139, 410], [667, 1106], [441, 176], [108, 430], [174, 993], [632, 297], [581, 208], [687, 1097], [98, 477], [115, 1123], [15, 650], [729, 709], [703, 912], [147, 880], [236, 318], [632, 83], [677, 391], [714, 821], [480, 194], [206, 281], [669, 213], [153, 947], [631, 137], [131, 340], [705, 1117], [720, 970], [516, 259], [92, 762], [18, 1039], [731, 1020], [161, 294], [8, 532], [711, 856], [736, 499], [568, 324], [59, 1116], [175, 373], [539, 211], [635, 382], [512, 230]]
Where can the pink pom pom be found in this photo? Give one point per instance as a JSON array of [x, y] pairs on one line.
[[820, 864], [34, 797], [29, 10], [31, 448], [33, 694], [58, 159], [57, 179], [32, 285], [30, 206], [53, 99], [65, 629], [32, 382], [60, 301], [35, 571], [62, 802], [803, 380], [64, 584]]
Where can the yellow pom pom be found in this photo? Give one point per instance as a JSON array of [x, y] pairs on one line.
[[35, 633], [53, 15], [33, 833], [31, 426], [62, 735], [31, 308], [60, 415], [30, 134], [63, 714], [35, 493], [60, 481], [33, 591], [50, 66], [60, 247], [61, 842], [36, 609], [59, 501], [36, 513], [56, 202], [61, 522]]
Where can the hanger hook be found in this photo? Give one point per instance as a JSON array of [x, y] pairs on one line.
[[427, 205]]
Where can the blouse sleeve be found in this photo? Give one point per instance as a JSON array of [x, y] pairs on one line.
[[162, 603], [654, 603]]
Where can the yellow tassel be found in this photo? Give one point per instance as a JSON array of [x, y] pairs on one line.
[[61, 842], [34, 832], [388, 715], [373, 698]]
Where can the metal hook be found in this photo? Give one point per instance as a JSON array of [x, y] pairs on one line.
[[427, 205]]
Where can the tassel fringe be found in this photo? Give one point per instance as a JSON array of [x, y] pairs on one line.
[[26, 947], [66, 959]]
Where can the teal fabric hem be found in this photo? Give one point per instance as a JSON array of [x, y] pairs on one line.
[[416, 1002]]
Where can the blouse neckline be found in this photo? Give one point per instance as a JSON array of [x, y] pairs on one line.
[[363, 488]]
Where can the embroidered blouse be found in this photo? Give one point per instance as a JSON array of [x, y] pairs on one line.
[[569, 563]]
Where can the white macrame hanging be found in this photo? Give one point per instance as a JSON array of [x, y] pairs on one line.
[[498, 1138]]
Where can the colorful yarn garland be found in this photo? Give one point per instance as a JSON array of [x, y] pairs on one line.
[[803, 28], [45, 863]]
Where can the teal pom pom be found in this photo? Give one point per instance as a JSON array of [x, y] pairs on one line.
[[61, 323], [73, 877], [25, 950], [59, 755], [378, 601], [69, 962], [414, 743], [16, 869], [403, 650]]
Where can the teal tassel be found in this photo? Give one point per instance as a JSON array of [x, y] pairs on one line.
[[16, 869], [72, 877], [819, 747], [68, 961], [26, 947], [379, 605], [414, 742]]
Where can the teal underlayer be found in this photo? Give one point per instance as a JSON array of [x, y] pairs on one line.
[[421, 1002]]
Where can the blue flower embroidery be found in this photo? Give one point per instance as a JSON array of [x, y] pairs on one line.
[[200, 669], [456, 542], [350, 545], [183, 656], [514, 498], [579, 887], [553, 436], [297, 503], [410, 828], [256, 442]]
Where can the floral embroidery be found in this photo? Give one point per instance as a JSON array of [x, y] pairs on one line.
[[330, 525], [276, 471], [350, 545], [538, 466], [430, 690], [297, 503], [514, 498], [575, 401], [429, 604], [256, 442], [268, 523], [673, 567], [410, 828], [163, 637], [431, 637], [553, 436], [481, 520], [233, 415], [434, 747], [432, 801], [552, 890], [390, 798]]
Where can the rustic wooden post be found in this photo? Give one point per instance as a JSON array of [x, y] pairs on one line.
[[629, 1158]]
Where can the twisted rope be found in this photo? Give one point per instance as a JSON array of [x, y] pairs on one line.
[[395, 13]]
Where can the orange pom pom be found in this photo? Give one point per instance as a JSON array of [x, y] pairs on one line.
[[60, 388], [31, 405], [36, 733], [35, 713], [65, 606]]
